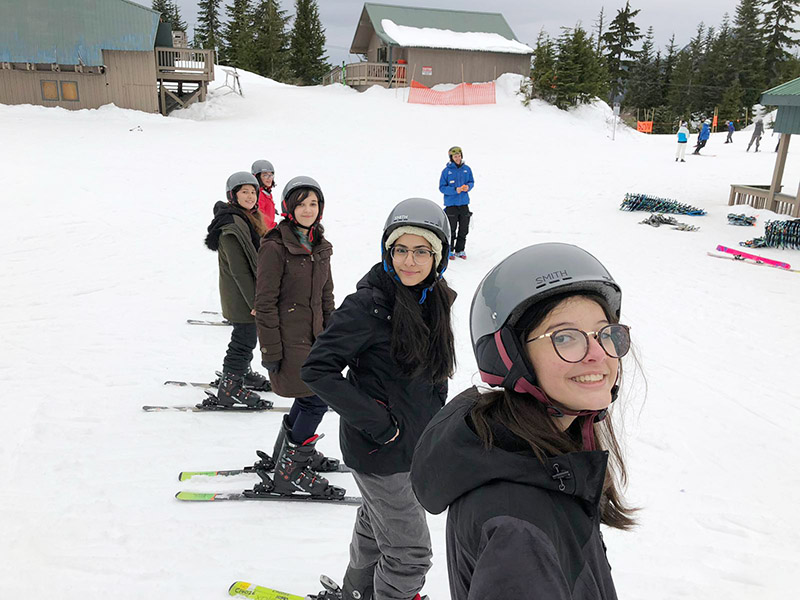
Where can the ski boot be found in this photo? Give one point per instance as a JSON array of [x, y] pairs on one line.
[[256, 381], [319, 462], [293, 471], [462, 254], [231, 391]]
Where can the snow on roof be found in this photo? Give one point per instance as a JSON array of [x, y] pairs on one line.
[[427, 37]]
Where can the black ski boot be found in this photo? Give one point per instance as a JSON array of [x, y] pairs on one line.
[[231, 391], [256, 381], [319, 462], [293, 471]]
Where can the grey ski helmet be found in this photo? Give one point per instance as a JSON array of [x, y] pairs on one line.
[[419, 212], [301, 181], [262, 166], [236, 181], [521, 280]]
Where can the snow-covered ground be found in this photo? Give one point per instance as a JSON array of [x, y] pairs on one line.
[[103, 261]]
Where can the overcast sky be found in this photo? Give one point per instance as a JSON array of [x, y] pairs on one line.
[[339, 17]]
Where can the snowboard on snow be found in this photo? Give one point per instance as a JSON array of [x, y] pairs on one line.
[[733, 254]]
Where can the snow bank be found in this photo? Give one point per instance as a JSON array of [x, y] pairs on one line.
[[428, 37]]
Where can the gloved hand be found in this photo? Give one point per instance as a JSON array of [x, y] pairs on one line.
[[271, 366]]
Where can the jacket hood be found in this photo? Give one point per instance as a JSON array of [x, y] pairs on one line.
[[451, 460], [224, 212]]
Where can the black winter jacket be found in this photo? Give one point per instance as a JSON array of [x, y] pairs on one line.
[[375, 399], [516, 528]]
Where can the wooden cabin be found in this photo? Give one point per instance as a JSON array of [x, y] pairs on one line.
[[87, 53], [432, 46]]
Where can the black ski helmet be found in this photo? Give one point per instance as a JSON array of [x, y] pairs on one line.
[[236, 181], [418, 212], [521, 280]]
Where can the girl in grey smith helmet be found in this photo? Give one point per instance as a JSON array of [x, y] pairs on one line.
[[394, 337], [531, 469]]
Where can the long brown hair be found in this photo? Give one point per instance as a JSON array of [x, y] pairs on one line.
[[254, 216], [528, 419]]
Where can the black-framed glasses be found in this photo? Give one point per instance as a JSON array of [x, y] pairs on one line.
[[572, 345], [421, 255]]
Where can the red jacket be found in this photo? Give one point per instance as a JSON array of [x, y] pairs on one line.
[[266, 206]]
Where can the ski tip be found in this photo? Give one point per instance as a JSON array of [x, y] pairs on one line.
[[240, 588], [195, 496]]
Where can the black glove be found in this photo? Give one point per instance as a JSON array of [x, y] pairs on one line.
[[271, 366]]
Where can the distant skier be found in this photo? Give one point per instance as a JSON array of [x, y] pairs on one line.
[[758, 131], [294, 301], [702, 137], [731, 129], [264, 172], [394, 337], [683, 140], [234, 235], [455, 183]]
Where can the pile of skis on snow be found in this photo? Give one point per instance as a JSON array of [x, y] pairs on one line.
[[777, 234], [654, 204], [657, 220], [742, 220]]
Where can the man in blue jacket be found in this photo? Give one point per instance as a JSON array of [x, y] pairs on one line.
[[455, 183], [705, 133]]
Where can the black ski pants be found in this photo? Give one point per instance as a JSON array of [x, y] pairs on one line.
[[244, 339], [459, 226], [305, 416], [700, 145]]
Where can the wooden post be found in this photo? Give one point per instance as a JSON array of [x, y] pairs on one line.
[[777, 174]]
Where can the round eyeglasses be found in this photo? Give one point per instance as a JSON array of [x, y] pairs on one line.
[[421, 255], [572, 345]]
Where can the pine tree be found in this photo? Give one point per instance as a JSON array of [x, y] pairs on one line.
[[271, 41], [580, 75], [163, 6], [682, 94], [668, 66], [208, 32], [178, 24], [599, 25], [543, 73], [619, 39], [778, 18], [749, 51], [644, 90], [307, 44], [238, 36]]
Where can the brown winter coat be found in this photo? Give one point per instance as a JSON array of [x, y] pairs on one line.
[[294, 299]]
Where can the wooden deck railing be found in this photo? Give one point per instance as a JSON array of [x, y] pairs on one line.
[[365, 73], [185, 63], [758, 196]]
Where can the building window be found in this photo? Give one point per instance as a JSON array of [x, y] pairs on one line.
[[383, 54], [50, 91], [69, 91]]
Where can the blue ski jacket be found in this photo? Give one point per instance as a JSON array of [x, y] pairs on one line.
[[454, 177], [731, 127], [705, 132]]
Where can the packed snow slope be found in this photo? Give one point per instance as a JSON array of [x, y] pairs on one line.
[[105, 212]]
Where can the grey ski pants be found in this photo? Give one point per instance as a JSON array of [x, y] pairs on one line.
[[390, 552]]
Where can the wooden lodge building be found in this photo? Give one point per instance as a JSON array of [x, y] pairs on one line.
[[86, 53], [432, 46]]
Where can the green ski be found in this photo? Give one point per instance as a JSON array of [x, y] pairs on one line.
[[256, 592]]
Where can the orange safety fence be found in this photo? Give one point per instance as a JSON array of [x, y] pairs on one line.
[[463, 93], [644, 126]]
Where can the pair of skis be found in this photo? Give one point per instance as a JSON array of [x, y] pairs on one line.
[[261, 491], [753, 259], [211, 404], [244, 589]]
